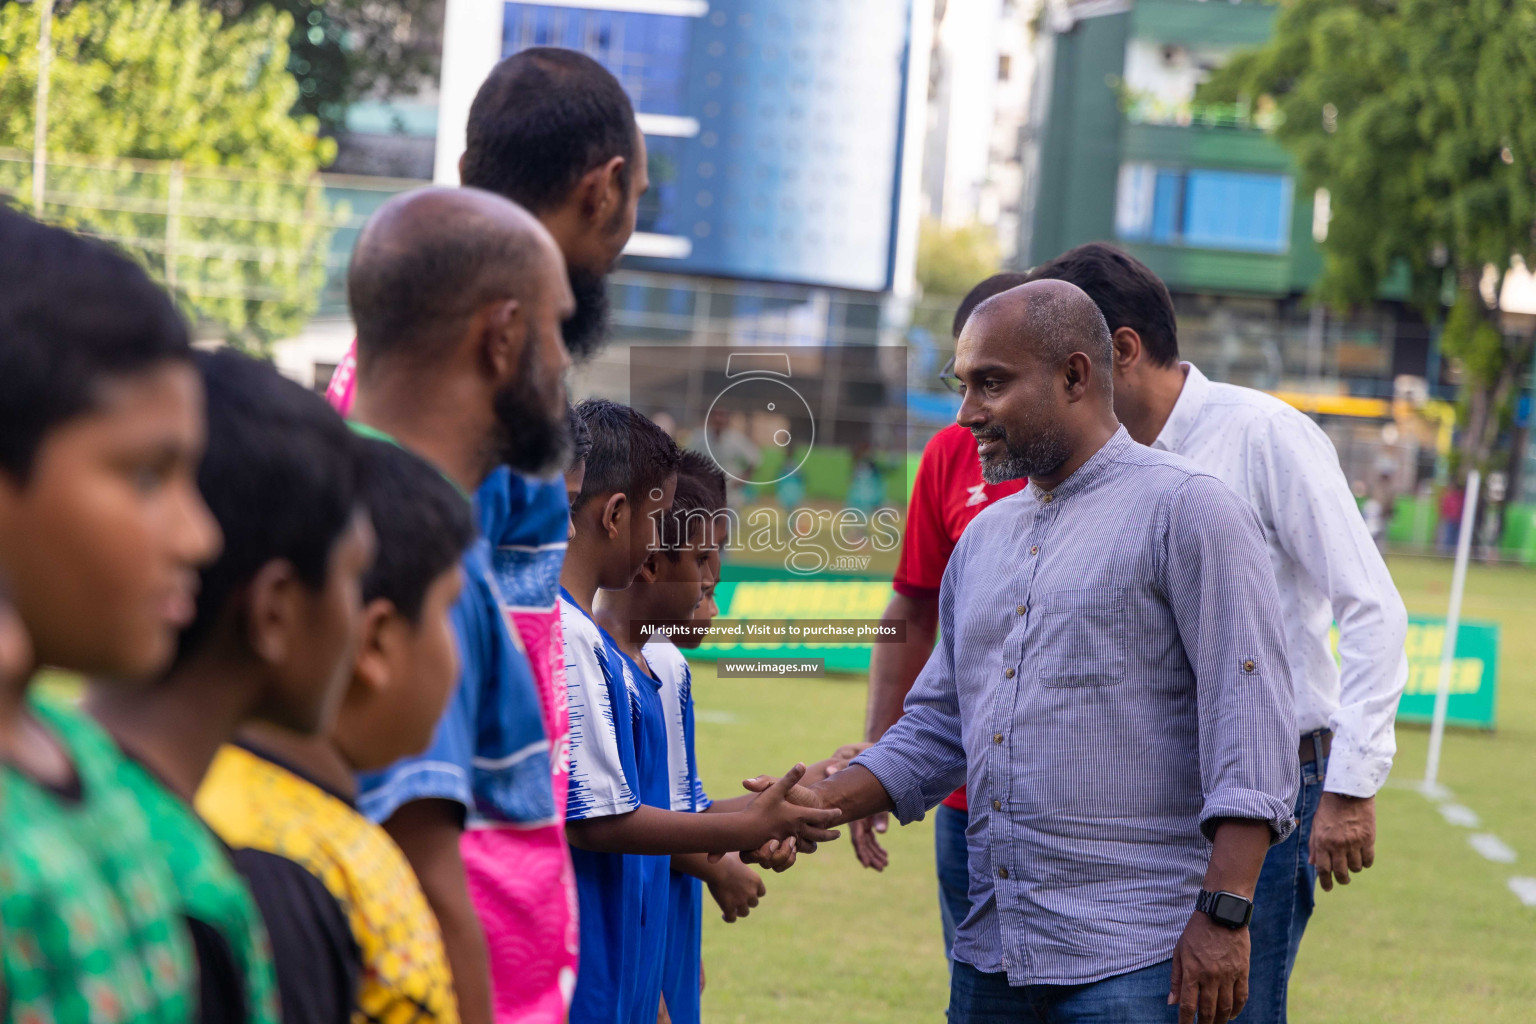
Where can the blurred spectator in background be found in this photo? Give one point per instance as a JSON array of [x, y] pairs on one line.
[[732, 450], [666, 422], [1452, 501]]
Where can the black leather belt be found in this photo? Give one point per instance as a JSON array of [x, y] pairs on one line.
[[1308, 751]]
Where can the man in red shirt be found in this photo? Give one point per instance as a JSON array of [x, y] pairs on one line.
[[947, 494]]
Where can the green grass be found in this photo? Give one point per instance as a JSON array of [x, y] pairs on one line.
[[1430, 934]]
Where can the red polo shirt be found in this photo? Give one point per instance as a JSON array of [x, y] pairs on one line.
[[947, 494]]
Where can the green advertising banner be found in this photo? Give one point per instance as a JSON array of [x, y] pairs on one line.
[[816, 598], [1474, 673]]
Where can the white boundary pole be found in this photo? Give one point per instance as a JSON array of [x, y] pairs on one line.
[[1452, 620]]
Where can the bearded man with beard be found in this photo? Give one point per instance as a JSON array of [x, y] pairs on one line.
[[1110, 682], [553, 131], [458, 296]]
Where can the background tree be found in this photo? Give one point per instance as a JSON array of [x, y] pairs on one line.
[[951, 260], [341, 51], [232, 215], [1415, 116]]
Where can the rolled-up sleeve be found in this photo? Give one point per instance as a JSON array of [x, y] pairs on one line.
[[921, 759], [1221, 587]]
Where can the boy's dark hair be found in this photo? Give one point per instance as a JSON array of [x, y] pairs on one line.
[[994, 285], [1126, 292], [74, 315], [703, 469], [280, 475], [693, 506], [581, 437], [630, 455], [543, 118], [422, 525]]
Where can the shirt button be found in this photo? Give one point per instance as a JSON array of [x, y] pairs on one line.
[[1008, 673], [1045, 498], [997, 737], [1035, 549], [1002, 872], [1023, 608], [997, 805], [1250, 665]]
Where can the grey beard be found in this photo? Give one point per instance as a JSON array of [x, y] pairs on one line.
[[1041, 455]]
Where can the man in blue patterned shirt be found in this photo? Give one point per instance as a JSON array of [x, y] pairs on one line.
[[1111, 684]]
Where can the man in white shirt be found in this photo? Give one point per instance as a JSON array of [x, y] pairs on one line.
[[1328, 570]]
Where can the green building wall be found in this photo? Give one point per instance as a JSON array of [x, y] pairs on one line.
[[1087, 137]]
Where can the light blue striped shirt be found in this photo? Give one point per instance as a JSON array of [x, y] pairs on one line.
[[1110, 679]]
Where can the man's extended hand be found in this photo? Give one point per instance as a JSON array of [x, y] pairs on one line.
[[830, 766], [735, 887], [1343, 838], [1210, 972], [869, 851], [865, 844]]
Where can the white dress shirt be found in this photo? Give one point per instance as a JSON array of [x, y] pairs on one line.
[[1326, 565]]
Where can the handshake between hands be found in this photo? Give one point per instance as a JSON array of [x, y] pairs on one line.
[[774, 823], [791, 813]]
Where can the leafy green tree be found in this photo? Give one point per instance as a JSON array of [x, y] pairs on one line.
[[1414, 115], [950, 260], [170, 133], [343, 50]]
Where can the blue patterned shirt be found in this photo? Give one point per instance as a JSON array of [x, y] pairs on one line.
[[1110, 680]]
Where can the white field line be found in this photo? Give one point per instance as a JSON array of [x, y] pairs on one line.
[[1492, 848], [1459, 815], [1524, 889]]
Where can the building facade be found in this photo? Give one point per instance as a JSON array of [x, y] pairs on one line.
[[1121, 151]]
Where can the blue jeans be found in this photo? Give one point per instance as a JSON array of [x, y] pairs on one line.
[[1140, 997], [953, 862], [1282, 905]]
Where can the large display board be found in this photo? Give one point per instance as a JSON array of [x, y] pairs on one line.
[[775, 128]]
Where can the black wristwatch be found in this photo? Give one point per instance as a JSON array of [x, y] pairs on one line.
[[1227, 909]]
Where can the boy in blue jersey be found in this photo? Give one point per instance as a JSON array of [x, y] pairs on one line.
[[619, 819], [674, 587]]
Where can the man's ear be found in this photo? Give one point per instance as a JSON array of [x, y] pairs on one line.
[[503, 332], [651, 570], [1127, 348], [273, 610], [615, 517], [376, 644], [601, 191], [1078, 372]]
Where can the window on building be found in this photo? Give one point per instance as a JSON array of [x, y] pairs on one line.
[[1004, 66], [1201, 208]]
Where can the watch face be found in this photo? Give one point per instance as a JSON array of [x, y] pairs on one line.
[[1230, 909]]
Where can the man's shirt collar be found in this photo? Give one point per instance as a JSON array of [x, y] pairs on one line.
[[1185, 411]]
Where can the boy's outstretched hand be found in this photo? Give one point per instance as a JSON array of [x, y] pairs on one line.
[[735, 887], [774, 854]]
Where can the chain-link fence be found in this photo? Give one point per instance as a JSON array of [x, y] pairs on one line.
[[248, 254]]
